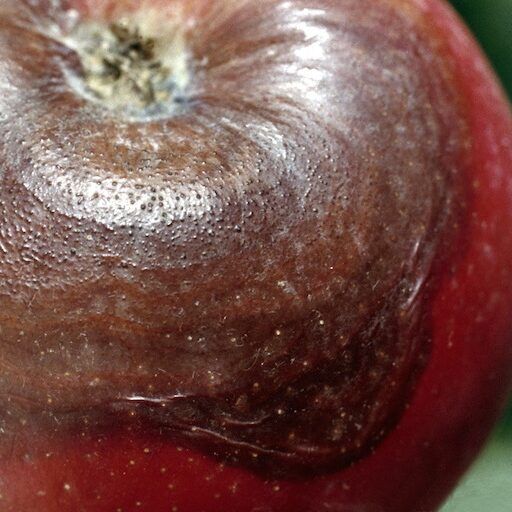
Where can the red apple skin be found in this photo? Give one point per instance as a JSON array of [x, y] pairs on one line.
[[455, 402]]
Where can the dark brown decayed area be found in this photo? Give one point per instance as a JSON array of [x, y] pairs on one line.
[[248, 274]]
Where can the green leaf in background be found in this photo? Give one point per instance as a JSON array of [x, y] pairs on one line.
[[488, 486], [491, 22]]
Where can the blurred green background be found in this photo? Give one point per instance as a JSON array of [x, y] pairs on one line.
[[491, 22], [488, 486]]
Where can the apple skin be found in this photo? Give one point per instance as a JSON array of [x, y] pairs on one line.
[[455, 403]]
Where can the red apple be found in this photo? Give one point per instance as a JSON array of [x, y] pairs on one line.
[[254, 255]]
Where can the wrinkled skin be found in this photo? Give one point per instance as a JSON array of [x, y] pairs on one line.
[[290, 293]]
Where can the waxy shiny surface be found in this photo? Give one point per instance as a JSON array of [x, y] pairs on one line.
[[252, 278]]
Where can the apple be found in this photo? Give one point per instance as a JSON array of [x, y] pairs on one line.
[[254, 255]]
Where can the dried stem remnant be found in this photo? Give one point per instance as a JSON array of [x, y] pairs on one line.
[[136, 67], [124, 65]]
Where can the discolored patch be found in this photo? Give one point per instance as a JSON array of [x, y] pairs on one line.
[[249, 273]]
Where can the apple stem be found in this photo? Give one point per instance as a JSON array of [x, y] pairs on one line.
[[126, 68]]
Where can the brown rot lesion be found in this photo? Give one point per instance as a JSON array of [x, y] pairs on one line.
[[291, 346]]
